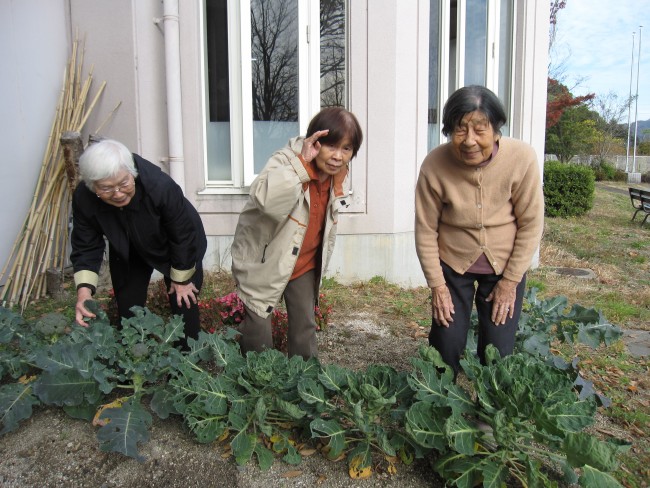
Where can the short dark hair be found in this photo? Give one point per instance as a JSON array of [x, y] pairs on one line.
[[470, 99], [341, 123]]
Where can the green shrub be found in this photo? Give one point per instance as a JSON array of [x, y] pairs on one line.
[[604, 171], [568, 189]]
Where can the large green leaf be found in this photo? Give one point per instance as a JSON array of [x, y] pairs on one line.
[[425, 423], [494, 474], [264, 456], [592, 477], [128, 425], [583, 449], [594, 334], [459, 469], [243, 446], [311, 392], [427, 382], [10, 322], [459, 400], [571, 417], [162, 402], [16, 402], [206, 429], [461, 434], [290, 410], [66, 387], [66, 356], [332, 430], [333, 377]]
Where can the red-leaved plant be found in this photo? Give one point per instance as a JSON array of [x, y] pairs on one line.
[[229, 311]]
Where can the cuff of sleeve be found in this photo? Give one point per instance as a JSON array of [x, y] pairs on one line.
[[182, 276], [86, 277], [89, 286]]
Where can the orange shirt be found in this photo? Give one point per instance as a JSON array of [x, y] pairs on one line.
[[319, 195]]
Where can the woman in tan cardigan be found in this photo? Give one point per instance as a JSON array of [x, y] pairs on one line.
[[479, 213]]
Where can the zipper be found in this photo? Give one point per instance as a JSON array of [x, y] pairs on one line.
[[264, 253]]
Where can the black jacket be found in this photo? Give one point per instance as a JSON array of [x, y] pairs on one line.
[[159, 223]]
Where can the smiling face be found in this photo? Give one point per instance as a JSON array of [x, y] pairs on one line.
[[333, 157], [473, 139], [116, 190]]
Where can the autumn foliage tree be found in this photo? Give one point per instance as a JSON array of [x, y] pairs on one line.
[[559, 99]]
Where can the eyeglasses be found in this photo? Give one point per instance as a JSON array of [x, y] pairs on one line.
[[123, 187]]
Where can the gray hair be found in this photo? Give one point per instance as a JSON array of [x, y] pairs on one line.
[[105, 159], [470, 99]]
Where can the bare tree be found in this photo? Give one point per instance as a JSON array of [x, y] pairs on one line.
[[610, 109], [274, 47], [332, 59]]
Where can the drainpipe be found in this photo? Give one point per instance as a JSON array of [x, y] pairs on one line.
[[173, 79]]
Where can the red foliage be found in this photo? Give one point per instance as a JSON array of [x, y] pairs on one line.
[[560, 99]]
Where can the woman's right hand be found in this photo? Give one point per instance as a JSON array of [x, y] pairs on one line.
[[443, 307], [311, 146], [81, 311]]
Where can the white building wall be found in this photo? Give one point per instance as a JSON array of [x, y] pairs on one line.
[[34, 50], [388, 77]]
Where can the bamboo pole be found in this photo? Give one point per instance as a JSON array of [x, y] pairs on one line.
[[42, 241]]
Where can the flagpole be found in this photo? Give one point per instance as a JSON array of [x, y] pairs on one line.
[[629, 109], [636, 103]]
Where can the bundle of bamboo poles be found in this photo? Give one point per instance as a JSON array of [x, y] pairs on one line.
[[43, 239]]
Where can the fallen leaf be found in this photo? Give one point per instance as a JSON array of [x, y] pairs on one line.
[[307, 452]]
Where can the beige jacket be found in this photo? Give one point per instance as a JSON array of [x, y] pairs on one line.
[[463, 211], [272, 226]]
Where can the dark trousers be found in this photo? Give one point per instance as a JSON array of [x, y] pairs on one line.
[[130, 284], [299, 297], [467, 290]]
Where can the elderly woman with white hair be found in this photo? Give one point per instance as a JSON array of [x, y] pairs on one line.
[[148, 223]]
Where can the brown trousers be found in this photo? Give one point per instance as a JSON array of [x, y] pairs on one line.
[[299, 297]]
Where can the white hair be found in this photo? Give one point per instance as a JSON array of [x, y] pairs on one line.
[[105, 159]]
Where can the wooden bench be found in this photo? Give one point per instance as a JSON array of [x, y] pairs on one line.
[[641, 202]]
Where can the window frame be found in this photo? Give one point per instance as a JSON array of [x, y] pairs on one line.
[[240, 76]]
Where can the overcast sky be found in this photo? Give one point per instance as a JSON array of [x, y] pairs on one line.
[[594, 38]]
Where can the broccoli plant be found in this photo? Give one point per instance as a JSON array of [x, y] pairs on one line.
[[526, 415], [81, 369]]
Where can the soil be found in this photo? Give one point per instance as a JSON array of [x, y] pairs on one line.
[[51, 449]]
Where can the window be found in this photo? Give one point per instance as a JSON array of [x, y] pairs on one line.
[[271, 65], [470, 43]]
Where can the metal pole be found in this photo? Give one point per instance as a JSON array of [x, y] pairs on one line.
[[636, 103], [629, 109]]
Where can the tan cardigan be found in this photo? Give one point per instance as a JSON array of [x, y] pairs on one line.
[[463, 211]]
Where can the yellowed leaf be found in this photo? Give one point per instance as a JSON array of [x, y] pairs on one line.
[[223, 436], [307, 452], [26, 380], [97, 422], [392, 470], [358, 472]]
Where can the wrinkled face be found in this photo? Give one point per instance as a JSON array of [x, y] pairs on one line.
[[117, 190], [334, 156], [473, 139]]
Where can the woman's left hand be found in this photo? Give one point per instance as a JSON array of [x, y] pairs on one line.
[[503, 296], [184, 293]]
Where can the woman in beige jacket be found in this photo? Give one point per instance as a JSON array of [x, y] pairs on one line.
[[286, 232], [479, 217]]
